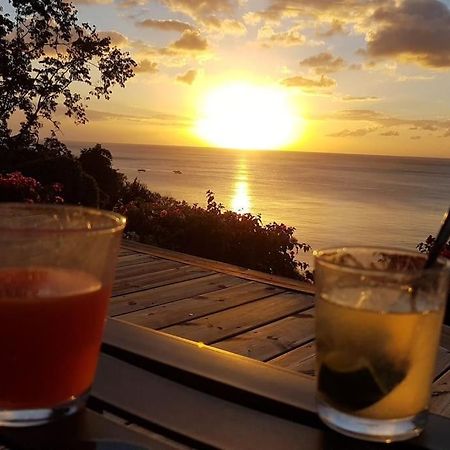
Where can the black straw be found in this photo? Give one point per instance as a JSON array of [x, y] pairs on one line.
[[439, 243]]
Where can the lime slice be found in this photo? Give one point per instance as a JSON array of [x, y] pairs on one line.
[[355, 383]]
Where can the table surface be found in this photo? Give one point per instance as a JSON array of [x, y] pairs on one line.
[[156, 390], [263, 317]]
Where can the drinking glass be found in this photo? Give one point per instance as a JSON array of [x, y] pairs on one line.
[[56, 272], [378, 322]]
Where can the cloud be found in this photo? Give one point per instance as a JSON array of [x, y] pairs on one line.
[[202, 9], [165, 25], [154, 117], [353, 133], [415, 30], [188, 77], [323, 63], [190, 41], [353, 98], [403, 78], [309, 83], [146, 66], [355, 67], [288, 38], [117, 39], [378, 119], [226, 26], [322, 11], [358, 114], [416, 137], [335, 27], [91, 2], [390, 133]]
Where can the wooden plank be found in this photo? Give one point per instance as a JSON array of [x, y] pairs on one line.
[[445, 336], [273, 339], [134, 259], [302, 359], [190, 363], [151, 280], [200, 305], [147, 267], [125, 252], [135, 280], [157, 296], [442, 361], [218, 326], [207, 421], [172, 368], [293, 359], [230, 269], [440, 396]]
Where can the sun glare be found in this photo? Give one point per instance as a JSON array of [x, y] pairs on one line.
[[247, 116]]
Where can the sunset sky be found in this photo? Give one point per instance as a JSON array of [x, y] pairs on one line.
[[352, 76]]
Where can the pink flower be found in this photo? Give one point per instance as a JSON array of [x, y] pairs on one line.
[[163, 213]]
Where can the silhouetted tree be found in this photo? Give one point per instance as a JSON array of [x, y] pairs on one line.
[[44, 56], [97, 162]]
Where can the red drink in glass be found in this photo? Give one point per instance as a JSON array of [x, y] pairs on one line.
[[51, 323]]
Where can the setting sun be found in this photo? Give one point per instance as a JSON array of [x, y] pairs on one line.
[[246, 116]]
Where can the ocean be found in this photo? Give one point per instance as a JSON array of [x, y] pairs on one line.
[[331, 199]]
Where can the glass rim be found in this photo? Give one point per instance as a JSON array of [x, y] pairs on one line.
[[117, 221], [319, 256]]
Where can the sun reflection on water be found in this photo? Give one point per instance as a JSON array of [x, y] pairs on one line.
[[241, 200]]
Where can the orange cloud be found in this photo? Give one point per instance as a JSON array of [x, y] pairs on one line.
[[336, 27], [324, 63], [165, 25], [188, 77], [202, 9], [353, 133], [146, 66], [353, 98], [309, 83], [288, 38], [117, 39], [226, 26], [190, 41], [91, 2]]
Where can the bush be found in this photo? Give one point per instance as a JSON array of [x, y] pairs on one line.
[[15, 187], [209, 232], [425, 247], [61, 169], [214, 233]]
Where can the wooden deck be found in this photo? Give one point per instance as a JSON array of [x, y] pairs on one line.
[[250, 313]]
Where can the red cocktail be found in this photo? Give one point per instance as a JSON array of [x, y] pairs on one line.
[[51, 323], [56, 272]]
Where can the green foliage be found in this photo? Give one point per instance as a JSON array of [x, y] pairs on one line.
[[45, 53], [214, 233]]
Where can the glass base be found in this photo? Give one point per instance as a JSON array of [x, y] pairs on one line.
[[389, 430], [40, 416]]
